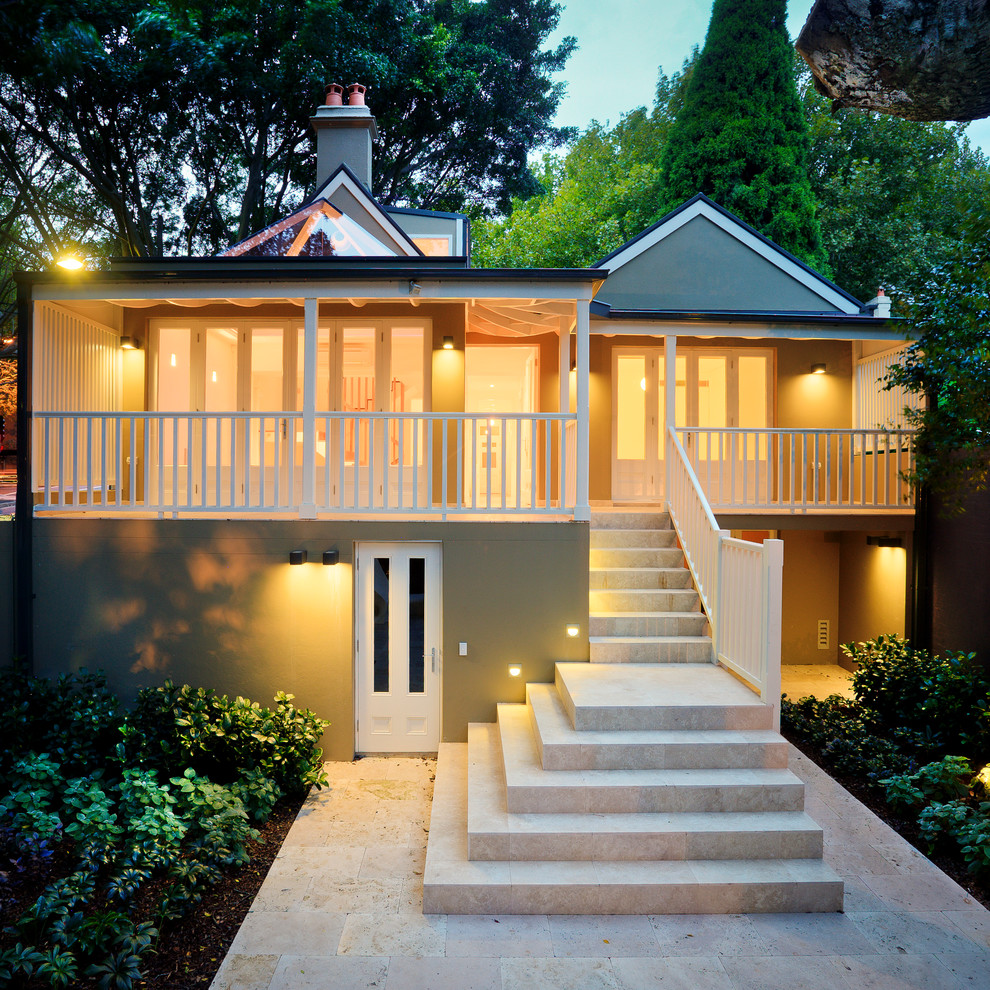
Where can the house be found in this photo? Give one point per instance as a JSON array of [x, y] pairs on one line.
[[340, 461]]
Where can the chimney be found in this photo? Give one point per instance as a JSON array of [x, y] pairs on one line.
[[344, 134], [880, 305]]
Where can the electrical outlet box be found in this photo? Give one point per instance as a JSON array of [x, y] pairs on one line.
[[462, 649]]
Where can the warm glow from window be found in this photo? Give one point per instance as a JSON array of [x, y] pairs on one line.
[[436, 247]]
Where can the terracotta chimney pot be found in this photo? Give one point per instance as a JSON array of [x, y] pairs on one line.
[[335, 95], [355, 95]]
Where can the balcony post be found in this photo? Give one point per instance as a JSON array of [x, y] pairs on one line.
[[582, 510], [307, 507], [669, 401]]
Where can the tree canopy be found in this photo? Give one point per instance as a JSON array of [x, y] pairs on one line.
[[741, 137], [197, 114]]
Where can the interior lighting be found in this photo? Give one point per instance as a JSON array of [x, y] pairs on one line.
[[573, 629], [172, 362], [818, 369], [214, 376], [70, 262], [331, 557], [514, 670], [448, 342], [297, 556]]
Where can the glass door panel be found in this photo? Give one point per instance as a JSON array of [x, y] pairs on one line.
[[174, 395]]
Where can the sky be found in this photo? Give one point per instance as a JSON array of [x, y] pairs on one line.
[[622, 43]]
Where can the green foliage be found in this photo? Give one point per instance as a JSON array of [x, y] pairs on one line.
[[944, 780], [178, 727], [943, 820], [258, 793], [741, 136], [220, 831]]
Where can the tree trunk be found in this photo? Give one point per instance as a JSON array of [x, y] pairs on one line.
[[919, 59]]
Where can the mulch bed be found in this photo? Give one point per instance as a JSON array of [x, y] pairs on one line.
[[191, 949], [948, 862]]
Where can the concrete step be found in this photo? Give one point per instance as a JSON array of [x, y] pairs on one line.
[[606, 697], [633, 538], [651, 649], [561, 747], [602, 557], [639, 578], [630, 519], [636, 600], [455, 885], [494, 833], [530, 788], [648, 624]]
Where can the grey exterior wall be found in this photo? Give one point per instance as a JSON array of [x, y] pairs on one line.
[[215, 603], [700, 267]]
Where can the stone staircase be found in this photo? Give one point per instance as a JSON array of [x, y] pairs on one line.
[[627, 787]]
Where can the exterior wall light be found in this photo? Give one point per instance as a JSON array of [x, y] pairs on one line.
[[573, 629], [70, 262], [448, 342], [331, 557], [414, 287], [130, 343], [884, 541], [514, 670], [297, 556], [818, 369]]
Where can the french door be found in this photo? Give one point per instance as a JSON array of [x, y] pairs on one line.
[[715, 389], [397, 647]]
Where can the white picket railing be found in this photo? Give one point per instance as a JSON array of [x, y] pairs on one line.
[[405, 463], [795, 470], [740, 583]]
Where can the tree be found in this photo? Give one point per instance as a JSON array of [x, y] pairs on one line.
[[195, 114], [741, 137], [948, 364], [600, 194]]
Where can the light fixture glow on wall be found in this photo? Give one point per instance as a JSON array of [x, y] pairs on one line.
[[130, 343], [331, 557], [573, 629], [514, 670], [297, 556], [818, 369], [448, 342]]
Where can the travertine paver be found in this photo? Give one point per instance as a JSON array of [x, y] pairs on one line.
[[342, 907]]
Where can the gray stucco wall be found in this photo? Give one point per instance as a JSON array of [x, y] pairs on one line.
[[215, 603], [700, 267]]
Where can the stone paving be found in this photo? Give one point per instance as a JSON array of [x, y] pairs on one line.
[[342, 908]]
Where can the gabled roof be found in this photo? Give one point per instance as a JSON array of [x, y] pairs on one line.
[[701, 257]]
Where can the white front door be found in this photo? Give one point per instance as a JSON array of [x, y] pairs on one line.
[[397, 647]]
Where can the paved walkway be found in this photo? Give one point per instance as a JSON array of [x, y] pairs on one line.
[[818, 680], [342, 908]]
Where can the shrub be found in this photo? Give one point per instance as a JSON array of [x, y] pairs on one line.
[[945, 780]]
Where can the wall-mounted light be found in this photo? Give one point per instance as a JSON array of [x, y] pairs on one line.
[[331, 557], [448, 342], [514, 670], [130, 343], [884, 541], [70, 262], [573, 629], [414, 288], [297, 556], [818, 369]]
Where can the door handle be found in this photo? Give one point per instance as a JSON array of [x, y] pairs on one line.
[[433, 659]]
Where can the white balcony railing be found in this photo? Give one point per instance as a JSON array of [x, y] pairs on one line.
[[795, 470], [433, 464], [740, 583]]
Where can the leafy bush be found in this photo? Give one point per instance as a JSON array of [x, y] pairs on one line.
[[945, 780], [173, 728]]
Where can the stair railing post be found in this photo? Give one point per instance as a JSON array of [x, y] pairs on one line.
[[773, 571], [718, 599]]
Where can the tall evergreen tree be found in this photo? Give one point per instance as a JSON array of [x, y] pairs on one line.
[[741, 137]]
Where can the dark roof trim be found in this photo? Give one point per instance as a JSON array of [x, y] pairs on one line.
[[603, 311], [424, 213], [742, 223]]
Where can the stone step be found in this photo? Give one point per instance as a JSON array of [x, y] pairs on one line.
[[531, 789], [604, 697], [636, 600], [604, 557], [630, 519], [633, 538], [648, 624], [452, 884], [639, 578], [561, 747], [494, 833], [651, 649]]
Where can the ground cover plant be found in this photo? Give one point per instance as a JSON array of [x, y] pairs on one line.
[[129, 818], [915, 738]]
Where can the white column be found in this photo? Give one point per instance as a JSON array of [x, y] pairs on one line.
[[564, 364], [669, 403], [773, 571], [581, 508], [307, 510]]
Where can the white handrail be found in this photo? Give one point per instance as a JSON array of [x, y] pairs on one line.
[[739, 582], [363, 462]]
